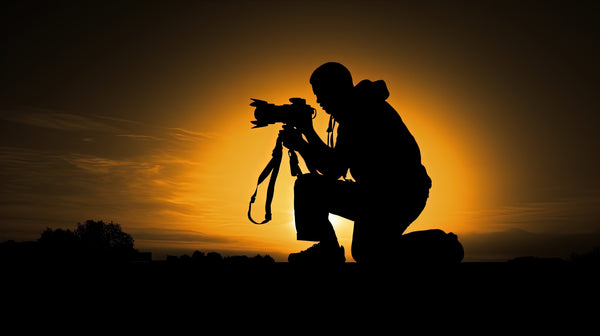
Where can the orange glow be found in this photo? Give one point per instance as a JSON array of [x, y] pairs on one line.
[[237, 154], [138, 114]]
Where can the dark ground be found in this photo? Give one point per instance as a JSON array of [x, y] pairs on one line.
[[470, 279], [529, 296]]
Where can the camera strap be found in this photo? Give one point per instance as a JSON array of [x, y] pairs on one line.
[[330, 129], [272, 168]]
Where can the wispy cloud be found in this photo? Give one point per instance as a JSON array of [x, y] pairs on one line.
[[180, 236], [187, 135], [140, 137], [575, 213], [117, 119], [103, 167], [525, 212], [58, 120], [100, 165], [113, 126]]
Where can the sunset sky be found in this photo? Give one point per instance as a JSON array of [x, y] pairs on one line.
[[137, 112]]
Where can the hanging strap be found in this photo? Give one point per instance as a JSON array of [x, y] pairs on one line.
[[273, 169], [294, 166], [330, 129]]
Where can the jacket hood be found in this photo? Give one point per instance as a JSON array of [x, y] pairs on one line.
[[369, 90]]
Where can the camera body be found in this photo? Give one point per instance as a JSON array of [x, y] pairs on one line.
[[267, 114]]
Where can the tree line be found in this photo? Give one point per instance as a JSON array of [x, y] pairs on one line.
[[99, 242]]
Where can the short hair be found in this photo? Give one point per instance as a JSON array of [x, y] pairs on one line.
[[331, 74]]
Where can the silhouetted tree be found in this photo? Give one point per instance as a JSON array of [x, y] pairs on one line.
[[237, 260], [263, 260], [59, 238], [59, 244], [197, 256], [214, 258], [91, 241], [100, 236]]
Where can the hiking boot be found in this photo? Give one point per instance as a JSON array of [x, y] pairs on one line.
[[319, 254]]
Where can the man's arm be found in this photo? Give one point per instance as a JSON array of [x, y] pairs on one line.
[[316, 154]]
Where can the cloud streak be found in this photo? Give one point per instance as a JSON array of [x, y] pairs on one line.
[[119, 127], [181, 236], [101, 167], [573, 213], [189, 136], [140, 137], [58, 120]]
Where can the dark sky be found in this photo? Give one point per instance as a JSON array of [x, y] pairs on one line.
[[147, 96]]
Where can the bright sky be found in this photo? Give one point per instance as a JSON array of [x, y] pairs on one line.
[[138, 113]]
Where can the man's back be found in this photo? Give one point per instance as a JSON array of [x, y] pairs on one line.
[[376, 143]]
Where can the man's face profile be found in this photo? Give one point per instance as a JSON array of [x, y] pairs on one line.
[[329, 98]]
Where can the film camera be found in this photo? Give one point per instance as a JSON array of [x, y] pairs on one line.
[[267, 114]]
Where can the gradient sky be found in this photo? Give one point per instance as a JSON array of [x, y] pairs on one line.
[[137, 112]]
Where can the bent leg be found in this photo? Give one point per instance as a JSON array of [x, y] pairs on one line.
[[315, 197], [310, 210], [378, 230]]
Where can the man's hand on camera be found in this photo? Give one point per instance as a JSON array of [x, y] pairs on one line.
[[304, 125], [292, 138]]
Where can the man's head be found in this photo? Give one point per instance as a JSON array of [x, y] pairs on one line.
[[332, 84]]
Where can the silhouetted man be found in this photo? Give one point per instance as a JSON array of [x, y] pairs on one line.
[[391, 187]]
